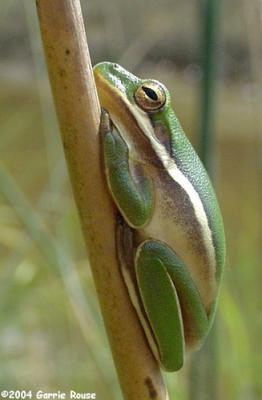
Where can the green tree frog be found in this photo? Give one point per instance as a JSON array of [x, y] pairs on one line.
[[170, 237]]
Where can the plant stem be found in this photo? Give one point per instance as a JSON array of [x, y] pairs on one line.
[[203, 374], [78, 112], [209, 19]]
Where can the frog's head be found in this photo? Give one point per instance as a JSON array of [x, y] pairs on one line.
[[139, 108], [149, 95]]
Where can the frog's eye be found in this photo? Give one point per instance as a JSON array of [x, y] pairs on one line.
[[150, 96]]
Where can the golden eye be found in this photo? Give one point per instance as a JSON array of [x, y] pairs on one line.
[[150, 96]]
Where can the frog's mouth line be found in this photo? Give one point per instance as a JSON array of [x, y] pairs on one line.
[[124, 118]]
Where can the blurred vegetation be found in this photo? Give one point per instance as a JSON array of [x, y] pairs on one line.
[[51, 333]]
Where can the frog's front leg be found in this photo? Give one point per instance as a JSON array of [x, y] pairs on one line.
[[171, 302], [132, 194]]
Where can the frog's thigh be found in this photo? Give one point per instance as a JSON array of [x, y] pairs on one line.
[[165, 288], [161, 305]]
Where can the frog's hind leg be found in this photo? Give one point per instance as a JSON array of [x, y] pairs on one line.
[[170, 299]]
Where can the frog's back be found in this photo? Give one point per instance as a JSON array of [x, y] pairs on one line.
[[186, 214], [191, 167]]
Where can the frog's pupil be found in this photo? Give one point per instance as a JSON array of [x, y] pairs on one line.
[[150, 93]]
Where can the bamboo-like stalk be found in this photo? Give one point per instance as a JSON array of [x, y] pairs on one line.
[[78, 113]]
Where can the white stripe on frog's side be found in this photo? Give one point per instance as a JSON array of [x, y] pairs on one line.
[[174, 172]]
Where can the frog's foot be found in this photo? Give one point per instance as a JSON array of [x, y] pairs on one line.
[[105, 123]]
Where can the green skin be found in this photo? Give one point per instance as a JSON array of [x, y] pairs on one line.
[[163, 282]]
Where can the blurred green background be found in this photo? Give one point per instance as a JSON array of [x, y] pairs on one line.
[[51, 333]]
